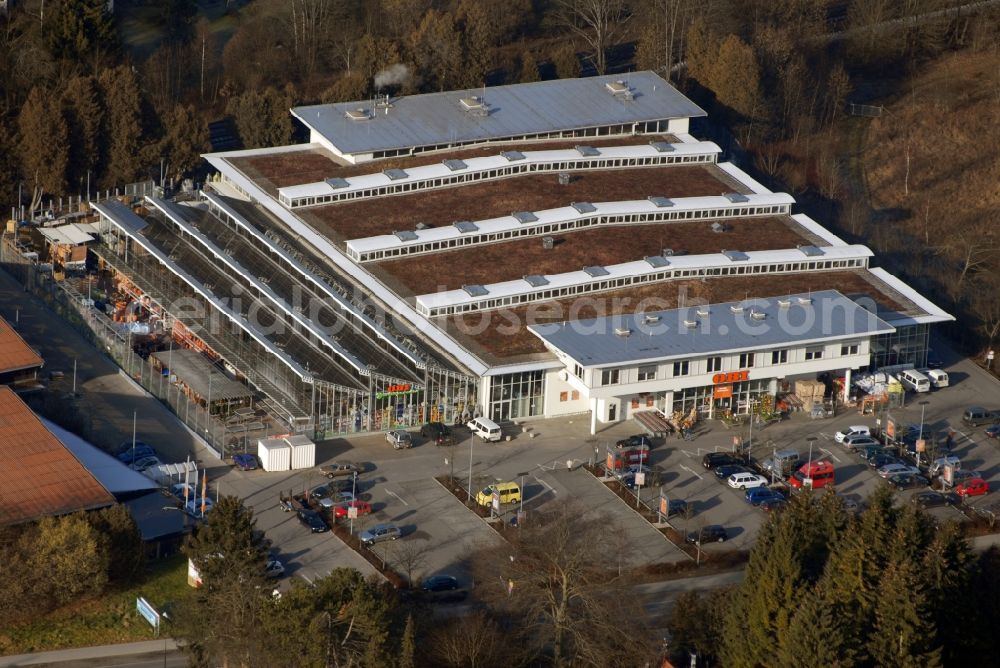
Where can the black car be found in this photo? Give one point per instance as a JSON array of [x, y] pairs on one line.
[[437, 432], [933, 361], [723, 472], [443, 588], [881, 459], [773, 504], [709, 534], [713, 459], [907, 481], [312, 520], [935, 499], [636, 441]]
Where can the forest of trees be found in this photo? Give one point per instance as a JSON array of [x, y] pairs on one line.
[[825, 588], [85, 101]]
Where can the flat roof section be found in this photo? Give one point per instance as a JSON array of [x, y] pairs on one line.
[[314, 163], [502, 336], [41, 476], [749, 324], [367, 218], [601, 246], [470, 115]]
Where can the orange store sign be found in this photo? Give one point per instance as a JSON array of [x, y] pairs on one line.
[[722, 392], [731, 377]]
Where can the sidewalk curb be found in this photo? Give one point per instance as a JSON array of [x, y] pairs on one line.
[[88, 653]]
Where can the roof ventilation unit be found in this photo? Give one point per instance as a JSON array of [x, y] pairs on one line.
[[584, 207], [690, 324], [784, 303], [512, 156], [395, 174], [423, 226], [736, 308], [660, 202], [475, 105], [336, 183], [454, 165], [548, 243], [357, 115], [465, 226], [805, 301], [622, 331], [564, 178], [620, 89], [650, 319], [596, 271], [736, 198], [587, 151], [668, 252], [662, 147], [524, 217], [406, 235], [702, 312], [735, 255], [719, 228], [757, 315]]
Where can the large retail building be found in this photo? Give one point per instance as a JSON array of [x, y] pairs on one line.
[[544, 249]]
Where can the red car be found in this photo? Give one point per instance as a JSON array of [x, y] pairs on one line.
[[972, 487], [340, 511]]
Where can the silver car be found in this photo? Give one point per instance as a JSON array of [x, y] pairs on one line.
[[400, 439], [379, 533]]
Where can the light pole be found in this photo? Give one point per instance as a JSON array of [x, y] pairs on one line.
[[811, 439], [472, 438], [920, 432], [520, 510]]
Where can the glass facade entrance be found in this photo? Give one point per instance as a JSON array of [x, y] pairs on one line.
[[712, 398], [517, 395]]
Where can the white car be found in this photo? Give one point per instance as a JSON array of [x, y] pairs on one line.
[[746, 481], [853, 430], [896, 469]]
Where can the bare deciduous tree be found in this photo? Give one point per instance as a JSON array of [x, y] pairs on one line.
[[597, 22]]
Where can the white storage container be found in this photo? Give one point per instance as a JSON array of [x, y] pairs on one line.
[[274, 454], [303, 452]]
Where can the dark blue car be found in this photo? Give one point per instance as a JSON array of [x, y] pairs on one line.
[[757, 495], [245, 462], [131, 455]]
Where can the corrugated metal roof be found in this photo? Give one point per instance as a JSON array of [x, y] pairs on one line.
[[759, 324], [15, 354], [40, 475], [65, 235], [510, 111], [192, 369]]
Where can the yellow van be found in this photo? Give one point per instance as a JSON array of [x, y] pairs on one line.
[[509, 493]]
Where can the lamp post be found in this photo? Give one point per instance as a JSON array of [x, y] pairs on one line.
[[811, 439], [920, 432], [520, 510], [472, 438]]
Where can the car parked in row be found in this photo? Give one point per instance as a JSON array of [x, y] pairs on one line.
[[746, 480], [341, 511], [854, 430], [438, 432], [312, 519], [128, 455], [972, 487], [245, 461], [341, 469], [723, 472], [443, 588], [773, 504], [907, 481], [758, 495], [993, 431], [935, 499], [896, 469], [715, 459], [379, 533], [859, 442], [635, 441], [400, 439], [713, 533]]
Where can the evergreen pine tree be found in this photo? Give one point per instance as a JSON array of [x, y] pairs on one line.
[[818, 638], [946, 571], [42, 138], [903, 635], [123, 125], [408, 645], [84, 118]]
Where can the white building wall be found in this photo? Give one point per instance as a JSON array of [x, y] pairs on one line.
[[678, 125], [559, 389]]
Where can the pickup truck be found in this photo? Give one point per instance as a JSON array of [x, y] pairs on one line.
[[337, 469]]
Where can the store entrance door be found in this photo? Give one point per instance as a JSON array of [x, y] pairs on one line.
[[612, 412]]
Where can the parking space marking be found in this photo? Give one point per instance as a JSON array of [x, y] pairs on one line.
[[389, 491], [696, 475], [545, 484], [830, 455]]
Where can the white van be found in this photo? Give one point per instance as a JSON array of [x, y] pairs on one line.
[[915, 380], [486, 429], [937, 377]]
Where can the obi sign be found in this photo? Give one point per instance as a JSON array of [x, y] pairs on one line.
[[396, 391], [731, 377]]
